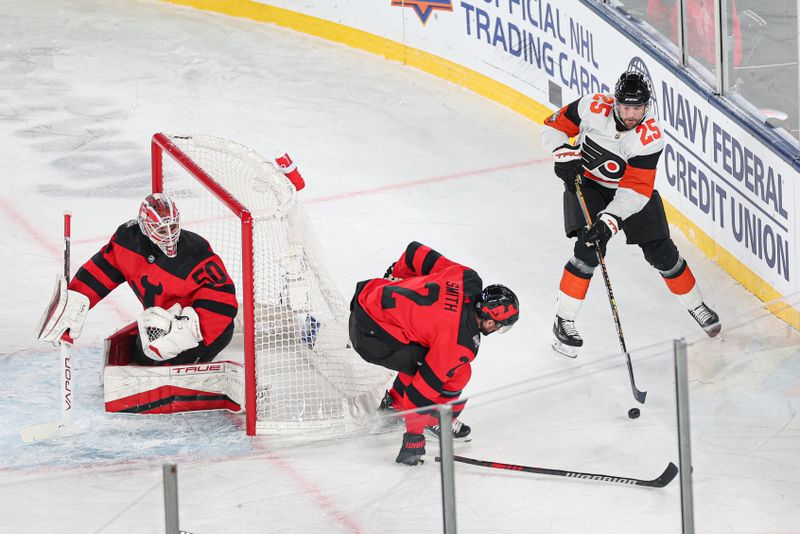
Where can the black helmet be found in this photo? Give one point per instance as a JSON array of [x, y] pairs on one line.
[[500, 304], [632, 89]]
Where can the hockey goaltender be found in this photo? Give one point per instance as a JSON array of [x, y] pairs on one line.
[[157, 364]]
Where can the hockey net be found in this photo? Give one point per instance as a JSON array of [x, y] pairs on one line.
[[301, 373]]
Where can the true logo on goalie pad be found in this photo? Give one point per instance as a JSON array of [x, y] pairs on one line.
[[208, 368]]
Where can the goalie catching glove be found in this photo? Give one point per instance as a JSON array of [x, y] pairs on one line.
[[66, 312], [167, 333]]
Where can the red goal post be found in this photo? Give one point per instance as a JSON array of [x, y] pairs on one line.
[[300, 372]]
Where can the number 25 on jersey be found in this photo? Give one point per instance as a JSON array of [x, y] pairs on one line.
[[648, 131]]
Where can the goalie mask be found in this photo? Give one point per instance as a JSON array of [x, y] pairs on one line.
[[160, 221], [500, 304]]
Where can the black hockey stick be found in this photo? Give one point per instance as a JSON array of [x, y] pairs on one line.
[[637, 394], [659, 482]]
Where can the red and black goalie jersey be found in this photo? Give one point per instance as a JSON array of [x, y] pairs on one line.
[[433, 306], [195, 277]]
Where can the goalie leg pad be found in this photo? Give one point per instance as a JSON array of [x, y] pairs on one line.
[[66, 311], [173, 389]]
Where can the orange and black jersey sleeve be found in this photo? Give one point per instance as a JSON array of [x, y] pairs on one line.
[[566, 119], [195, 277], [640, 173]]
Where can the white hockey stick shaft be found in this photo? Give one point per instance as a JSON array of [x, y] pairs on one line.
[[67, 384], [44, 431], [67, 387]]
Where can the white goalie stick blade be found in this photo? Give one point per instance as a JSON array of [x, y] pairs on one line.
[[40, 432], [566, 350], [43, 431]]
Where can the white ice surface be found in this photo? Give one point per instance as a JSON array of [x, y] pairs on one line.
[[390, 155]]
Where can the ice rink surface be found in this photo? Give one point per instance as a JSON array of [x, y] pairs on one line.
[[390, 155]]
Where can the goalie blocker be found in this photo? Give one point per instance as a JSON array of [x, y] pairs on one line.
[[64, 315], [128, 388]]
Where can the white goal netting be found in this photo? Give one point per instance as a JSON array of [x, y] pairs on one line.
[[306, 374]]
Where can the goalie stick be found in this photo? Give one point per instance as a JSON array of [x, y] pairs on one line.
[[659, 482], [637, 393], [44, 431]]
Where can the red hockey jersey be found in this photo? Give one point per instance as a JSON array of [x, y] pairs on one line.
[[433, 306], [196, 277]]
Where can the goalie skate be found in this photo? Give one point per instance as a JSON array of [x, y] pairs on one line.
[[566, 339]]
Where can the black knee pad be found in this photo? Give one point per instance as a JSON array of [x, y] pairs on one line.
[[661, 254]]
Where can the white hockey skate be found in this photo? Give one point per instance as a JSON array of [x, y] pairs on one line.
[[566, 339], [707, 319]]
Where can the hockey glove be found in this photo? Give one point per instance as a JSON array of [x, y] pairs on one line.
[[66, 312], [603, 229], [413, 449], [569, 164], [165, 334], [389, 274]]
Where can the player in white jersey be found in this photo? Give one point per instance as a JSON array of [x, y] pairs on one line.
[[617, 145]]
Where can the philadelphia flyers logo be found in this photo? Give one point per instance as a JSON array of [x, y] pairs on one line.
[[599, 160]]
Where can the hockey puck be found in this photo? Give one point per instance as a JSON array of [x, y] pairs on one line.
[[634, 413]]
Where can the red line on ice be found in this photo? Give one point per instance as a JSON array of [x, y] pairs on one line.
[[48, 244], [426, 181]]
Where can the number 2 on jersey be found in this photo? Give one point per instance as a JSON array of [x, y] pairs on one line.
[[388, 299]]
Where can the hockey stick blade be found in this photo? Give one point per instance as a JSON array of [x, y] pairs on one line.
[[637, 394], [659, 482], [40, 432]]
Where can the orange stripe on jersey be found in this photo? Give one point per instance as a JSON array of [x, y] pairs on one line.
[[562, 123], [574, 286], [681, 284], [640, 180]]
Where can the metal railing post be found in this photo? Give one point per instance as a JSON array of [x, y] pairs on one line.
[[683, 50], [684, 441], [171, 498], [447, 468], [721, 48]]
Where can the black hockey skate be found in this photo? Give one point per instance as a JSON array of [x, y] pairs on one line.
[[567, 341], [460, 430], [707, 319]]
